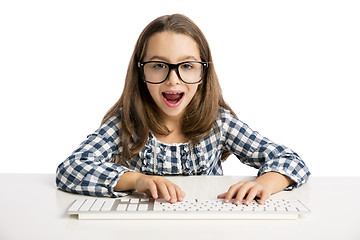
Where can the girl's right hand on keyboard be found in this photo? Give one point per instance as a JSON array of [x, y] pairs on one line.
[[158, 186]]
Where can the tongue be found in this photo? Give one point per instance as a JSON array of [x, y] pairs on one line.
[[172, 97]]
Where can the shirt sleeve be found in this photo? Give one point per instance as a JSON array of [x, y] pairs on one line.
[[259, 152], [88, 169]]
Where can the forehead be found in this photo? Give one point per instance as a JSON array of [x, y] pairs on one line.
[[172, 47]]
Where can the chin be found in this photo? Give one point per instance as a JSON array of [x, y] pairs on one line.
[[173, 112]]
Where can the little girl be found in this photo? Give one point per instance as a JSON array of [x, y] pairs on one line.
[[171, 119]]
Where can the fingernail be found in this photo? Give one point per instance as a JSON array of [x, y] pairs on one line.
[[226, 200], [246, 202], [237, 202]]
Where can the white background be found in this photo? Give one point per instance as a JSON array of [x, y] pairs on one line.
[[289, 69]]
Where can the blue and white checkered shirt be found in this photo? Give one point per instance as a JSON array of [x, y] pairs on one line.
[[89, 170]]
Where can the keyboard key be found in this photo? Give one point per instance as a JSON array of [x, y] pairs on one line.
[[76, 205], [259, 209], [108, 205], [271, 209], [97, 205], [281, 209], [132, 207], [121, 207], [134, 200], [87, 205], [292, 209], [143, 207]]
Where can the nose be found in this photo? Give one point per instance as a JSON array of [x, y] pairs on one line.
[[173, 77]]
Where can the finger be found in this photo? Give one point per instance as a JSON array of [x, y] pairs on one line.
[[222, 195], [264, 196], [251, 195], [172, 193], [232, 191], [153, 190], [179, 193], [163, 190], [242, 193]]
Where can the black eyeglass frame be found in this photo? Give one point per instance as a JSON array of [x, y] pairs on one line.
[[141, 65]]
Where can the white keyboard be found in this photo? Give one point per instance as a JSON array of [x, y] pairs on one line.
[[149, 208]]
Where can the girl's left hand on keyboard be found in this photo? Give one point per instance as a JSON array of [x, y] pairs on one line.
[[248, 191]]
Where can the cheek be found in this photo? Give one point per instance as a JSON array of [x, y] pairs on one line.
[[153, 90], [192, 90]]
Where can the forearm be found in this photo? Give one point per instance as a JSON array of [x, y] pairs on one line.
[[275, 182], [127, 181]]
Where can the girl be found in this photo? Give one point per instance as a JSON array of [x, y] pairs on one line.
[[171, 119]]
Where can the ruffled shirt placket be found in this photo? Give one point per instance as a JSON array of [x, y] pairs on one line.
[[187, 164], [160, 158]]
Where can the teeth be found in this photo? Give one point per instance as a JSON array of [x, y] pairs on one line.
[[172, 93]]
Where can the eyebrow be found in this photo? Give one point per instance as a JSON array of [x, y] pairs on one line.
[[184, 58]]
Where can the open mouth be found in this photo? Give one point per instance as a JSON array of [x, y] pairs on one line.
[[173, 98]]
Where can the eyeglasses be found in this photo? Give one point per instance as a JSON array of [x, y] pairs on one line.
[[189, 72]]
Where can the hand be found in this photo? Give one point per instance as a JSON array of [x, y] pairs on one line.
[[248, 190], [157, 185]]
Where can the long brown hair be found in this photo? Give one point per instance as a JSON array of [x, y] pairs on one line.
[[138, 111]]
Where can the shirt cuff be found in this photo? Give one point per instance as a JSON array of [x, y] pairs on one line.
[[297, 181]]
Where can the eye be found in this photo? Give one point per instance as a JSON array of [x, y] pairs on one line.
[[186, 66], [159, 65]]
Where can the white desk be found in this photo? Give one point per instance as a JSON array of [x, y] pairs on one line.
[[32, 208]]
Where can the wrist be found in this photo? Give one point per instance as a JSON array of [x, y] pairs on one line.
[[274, 181], [127, 181], [266, 182]]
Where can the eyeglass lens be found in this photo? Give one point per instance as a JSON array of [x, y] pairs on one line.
[[190, 72]]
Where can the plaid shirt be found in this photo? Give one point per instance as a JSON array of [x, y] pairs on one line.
[[89, 170]]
